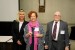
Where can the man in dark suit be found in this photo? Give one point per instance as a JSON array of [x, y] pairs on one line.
[[57, 37], [18, 31]]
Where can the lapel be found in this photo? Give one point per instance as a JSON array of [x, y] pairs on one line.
[[51, 26], [22, 26], [60, 28], [17, 26]]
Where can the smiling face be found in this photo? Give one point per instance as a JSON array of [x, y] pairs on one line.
[[57, 16], [21, 15], [33, 17]]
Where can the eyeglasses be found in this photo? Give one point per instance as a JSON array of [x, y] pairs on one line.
[[56, 15]]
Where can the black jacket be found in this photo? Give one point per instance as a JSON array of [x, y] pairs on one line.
[[18, 35]]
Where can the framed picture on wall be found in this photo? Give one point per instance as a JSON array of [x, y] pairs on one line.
[[41, 5]]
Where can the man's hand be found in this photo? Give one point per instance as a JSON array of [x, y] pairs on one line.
[[46, 46], [67, 48]]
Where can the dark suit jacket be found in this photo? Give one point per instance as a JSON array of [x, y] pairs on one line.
[[15, 31], [63, 39]]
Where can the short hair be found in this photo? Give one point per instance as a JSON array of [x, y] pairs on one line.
[[57, 13], [30, 13], [21, 10]]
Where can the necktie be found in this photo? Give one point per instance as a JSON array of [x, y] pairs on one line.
[[54, 30]]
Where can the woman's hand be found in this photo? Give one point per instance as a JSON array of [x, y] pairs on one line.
[[39, 35], [19, 43], [28, 35]]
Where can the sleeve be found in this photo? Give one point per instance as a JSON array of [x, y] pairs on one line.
[[42, 32], [47, 35], [66, 35], [13, 31], [25, 32]]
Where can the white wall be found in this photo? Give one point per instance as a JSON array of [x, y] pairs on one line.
[[66, 7], [8, 10]]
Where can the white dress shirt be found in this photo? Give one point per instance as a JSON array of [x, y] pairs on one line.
[[20, 25], [57, 30]]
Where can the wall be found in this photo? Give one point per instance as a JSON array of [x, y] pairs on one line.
[[66, 7], [8, 10]]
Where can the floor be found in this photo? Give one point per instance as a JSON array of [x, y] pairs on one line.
[[72, 44]]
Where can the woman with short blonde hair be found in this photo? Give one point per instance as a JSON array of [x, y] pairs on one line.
[[17, 31]]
